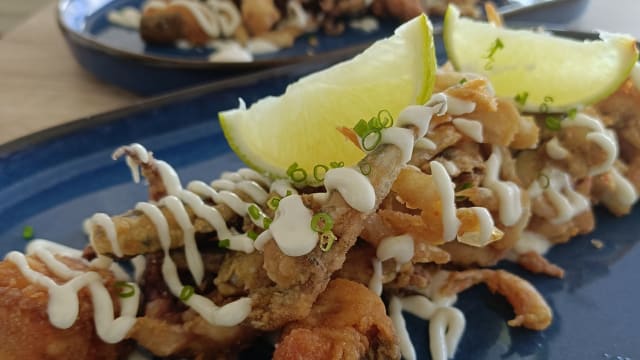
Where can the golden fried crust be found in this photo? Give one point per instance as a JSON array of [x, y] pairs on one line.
[[24, 325], [348, 321]]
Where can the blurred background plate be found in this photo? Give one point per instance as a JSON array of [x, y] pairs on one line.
[[118, 55], [53, 180]]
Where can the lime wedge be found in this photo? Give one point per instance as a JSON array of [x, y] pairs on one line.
[[300, 125], [543, 72]]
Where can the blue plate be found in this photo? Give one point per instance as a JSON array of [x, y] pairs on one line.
[[55, 179], [118, 55]]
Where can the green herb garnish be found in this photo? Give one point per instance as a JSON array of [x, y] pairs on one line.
[[187, 292], [27, 232], [321, 222], [126, 289], [224, 243]]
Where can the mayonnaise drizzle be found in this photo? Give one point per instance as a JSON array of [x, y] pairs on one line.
[[105, 222], [400, 248], [228, 315], [470, 128], [531, 241], [604, 138], [508, 193], [291, 228], [355, 188], [216, 17], [457, 106], [375, 283], [624, 193], [63, 306], [481, 237], [450, 222], [560, 193], [555, 150], [418, 116], [635, 76], [128, 17], [446, 323]]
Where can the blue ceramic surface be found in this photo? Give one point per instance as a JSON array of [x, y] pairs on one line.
[[119, 56], [54, 180]]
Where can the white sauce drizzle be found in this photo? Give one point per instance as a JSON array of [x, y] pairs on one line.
[[624, 194], [470, 128], [261, 46], [63, 303], [216, 17], [450, 222], [402, 138], [603, 137], [418, 116], [446, 323], [139, 263], [531, 241], [291, 227], [560, 193], [481, 237], [355, 188], [451, 167], [426, 144], [438, 103], [400, 248], [367, 23], [128, 17], [296, 16], [555, 150], [508, 193], [457, 106], [375, 283], [231, 53], [228, 315], [105, 222]]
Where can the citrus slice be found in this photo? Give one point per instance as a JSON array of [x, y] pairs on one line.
[[300, 126], [542, 72]]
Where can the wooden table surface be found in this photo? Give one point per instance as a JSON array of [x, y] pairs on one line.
[[41, 85]]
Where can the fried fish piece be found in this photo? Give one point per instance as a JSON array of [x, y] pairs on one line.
[[24, 324], [348, 321]]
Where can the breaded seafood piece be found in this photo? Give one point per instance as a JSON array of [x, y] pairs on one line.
[[26, 331], [348, 321]]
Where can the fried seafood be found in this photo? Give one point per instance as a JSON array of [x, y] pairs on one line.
[[348, 321], [531, 310], [25, 315], [455, 185]]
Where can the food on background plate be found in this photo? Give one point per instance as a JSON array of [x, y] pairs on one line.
[[239, 29], [445, 188]]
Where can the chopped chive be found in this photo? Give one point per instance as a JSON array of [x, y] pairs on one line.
[[27, 232], [319, 171], [495, 46], [460, 198], [544, 107], [553, 123], [273, 202], [321, 222], [336, 164], [462, 81], [187, 292], [571, 114], [521, 98], [544, 181], [297, 174], [385, 118], [224, 243], [266, 222], [361, 128], [254, 211], [464, 186], [365, 168], [252, 235], [289, 192], [371, 140], [326, 240], [126, 289]]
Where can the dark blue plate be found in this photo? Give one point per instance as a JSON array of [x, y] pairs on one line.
[[55, 179], [118, 55]]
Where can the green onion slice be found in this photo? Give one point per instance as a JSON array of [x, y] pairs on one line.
[[319, 171], [27, 232], [273, 202], [321, 222], [326, 240], [126, 289], [254, 211], [224, 243], [553, 123], [187, 292]]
